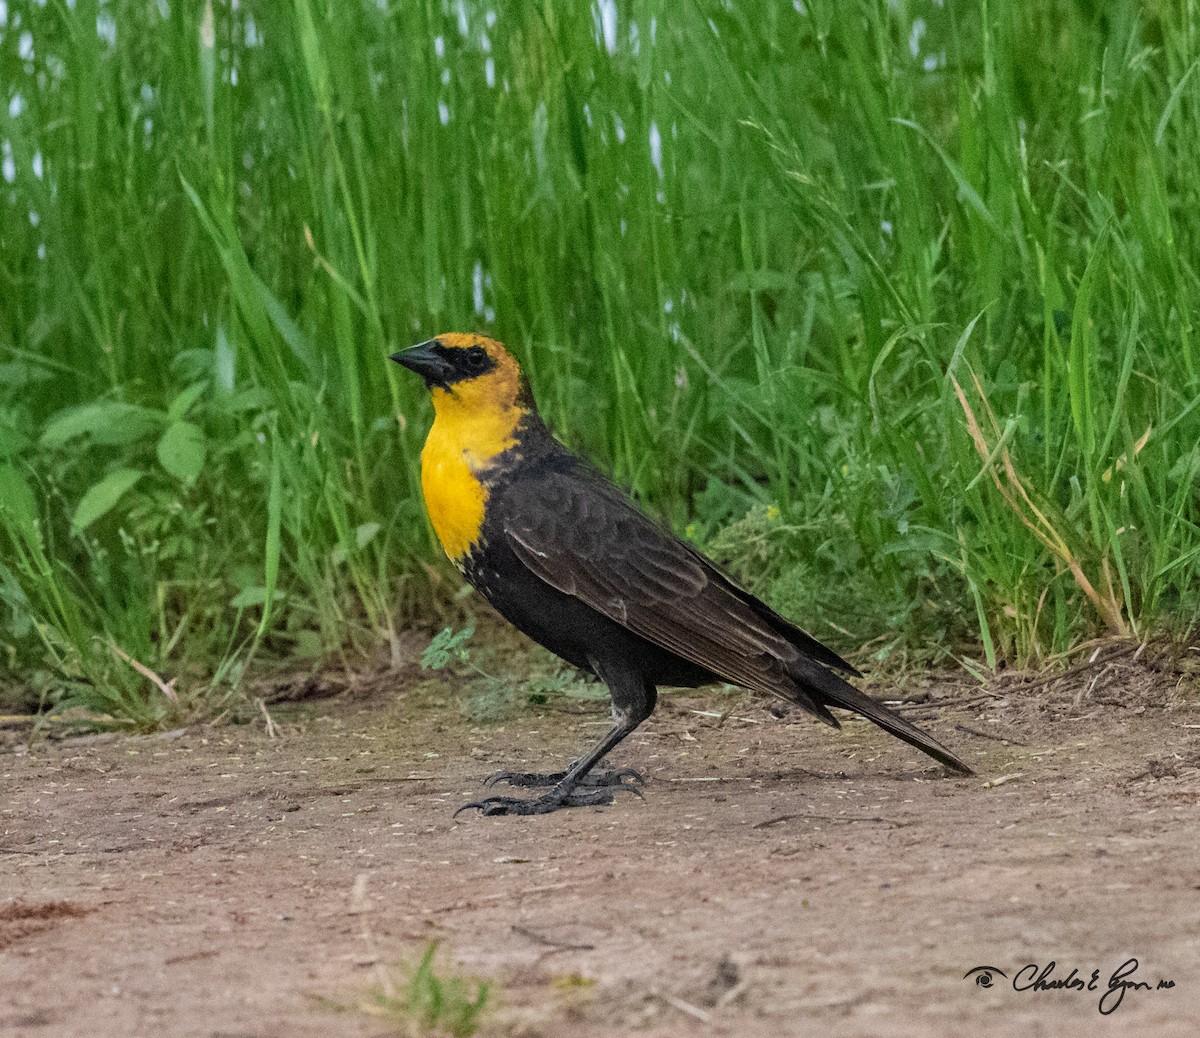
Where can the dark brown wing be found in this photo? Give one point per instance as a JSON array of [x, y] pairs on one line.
[[581, 535], [576, 531]]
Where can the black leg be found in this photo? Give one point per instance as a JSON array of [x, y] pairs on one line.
[[633, 699]]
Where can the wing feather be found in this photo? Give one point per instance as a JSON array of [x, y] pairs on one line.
[[583, 537]]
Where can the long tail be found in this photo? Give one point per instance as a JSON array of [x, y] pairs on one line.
[[831, 690]]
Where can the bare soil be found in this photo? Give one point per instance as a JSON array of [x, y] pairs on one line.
[[778, 879]]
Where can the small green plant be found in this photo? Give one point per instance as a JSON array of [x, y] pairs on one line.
[[489, 698], [492, 697], [448, 646], [565, 681], [433, 1004]]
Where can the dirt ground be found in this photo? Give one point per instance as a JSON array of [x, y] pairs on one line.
[[779, 878]]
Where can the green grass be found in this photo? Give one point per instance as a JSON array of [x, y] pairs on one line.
[[432, 1004], [890, 303]]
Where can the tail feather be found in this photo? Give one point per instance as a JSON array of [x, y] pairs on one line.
[[824, 689]]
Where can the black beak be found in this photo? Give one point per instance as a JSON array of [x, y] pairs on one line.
[[427, 360]]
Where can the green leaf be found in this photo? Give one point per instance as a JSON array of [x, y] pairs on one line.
[[208, 66], [101, 497], [760, 281], [255, 398], [1083, 349], [364, 534], [19, 374], [447, 646], [107, 422], [17, 503], [184, 401], [307, 645], [259, 306], [273, 546], [288, 329], [21, 619], [253, 596], [182, 451], [966, 190], [12, 441]]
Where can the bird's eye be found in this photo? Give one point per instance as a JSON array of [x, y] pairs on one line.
[[476, 359]]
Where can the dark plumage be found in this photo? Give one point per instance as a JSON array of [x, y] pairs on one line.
[[567, 558]]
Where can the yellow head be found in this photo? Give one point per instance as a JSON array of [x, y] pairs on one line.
[[465, 371], [479, 399], [478, 390]]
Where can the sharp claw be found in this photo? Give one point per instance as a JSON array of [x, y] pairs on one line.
[[579, 797], [523, 778], [487, 806], [617, 778], [497, 806]]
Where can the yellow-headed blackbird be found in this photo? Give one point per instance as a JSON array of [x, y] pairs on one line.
[[567, 558]]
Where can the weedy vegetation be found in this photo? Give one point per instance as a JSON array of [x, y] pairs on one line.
[[891, 305], [493, 689], [433, 1004]]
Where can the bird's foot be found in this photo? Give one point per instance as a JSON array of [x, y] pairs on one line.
[[552, 801], [606, 779]]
